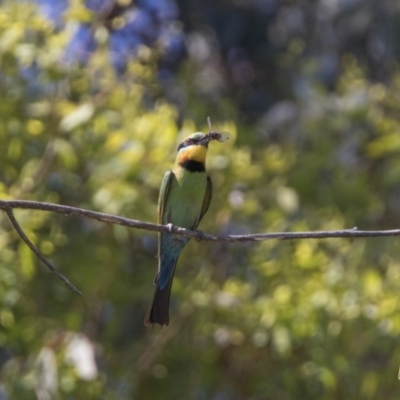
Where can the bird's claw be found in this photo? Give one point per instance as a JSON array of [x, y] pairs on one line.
[[199, 236], [170, 227]]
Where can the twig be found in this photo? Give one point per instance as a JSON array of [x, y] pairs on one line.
[[40, 172], [9, 205], [113, 219], [159, 341], [54, 270]]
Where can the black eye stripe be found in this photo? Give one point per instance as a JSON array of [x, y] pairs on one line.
[[195, 140], [186, 143]]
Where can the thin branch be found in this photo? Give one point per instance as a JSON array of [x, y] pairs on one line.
[[54, 270], [113, 219], [9, 205], [132, 223]]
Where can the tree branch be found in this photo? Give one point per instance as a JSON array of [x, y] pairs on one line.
[[9, 205], [132, 223], [38, 253]]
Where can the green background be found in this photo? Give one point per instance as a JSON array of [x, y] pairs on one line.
[[312, 319]]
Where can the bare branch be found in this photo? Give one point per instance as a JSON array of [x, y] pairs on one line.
[[113, 219], [37, 252], [9, 205], [42, 169]]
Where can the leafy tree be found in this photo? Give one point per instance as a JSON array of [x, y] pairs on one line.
[[275, 319]]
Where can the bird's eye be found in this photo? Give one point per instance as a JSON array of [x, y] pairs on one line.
[[189, 141]]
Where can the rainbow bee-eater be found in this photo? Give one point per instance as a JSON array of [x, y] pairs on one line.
[[184, 198]]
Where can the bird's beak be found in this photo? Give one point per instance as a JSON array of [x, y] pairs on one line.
[[205, 140]]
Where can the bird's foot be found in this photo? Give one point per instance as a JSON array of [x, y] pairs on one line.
[[170, 227], [199, 236]]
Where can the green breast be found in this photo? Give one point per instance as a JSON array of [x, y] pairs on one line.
[[185, 198]]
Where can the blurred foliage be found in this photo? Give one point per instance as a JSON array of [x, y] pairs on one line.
[[277, 319]]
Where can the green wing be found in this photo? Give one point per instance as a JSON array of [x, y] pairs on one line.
[[162, 198], [206, 201]]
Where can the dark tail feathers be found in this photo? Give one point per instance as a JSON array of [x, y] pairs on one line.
[[159, 309]]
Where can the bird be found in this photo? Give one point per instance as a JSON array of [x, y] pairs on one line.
[[184, 198]]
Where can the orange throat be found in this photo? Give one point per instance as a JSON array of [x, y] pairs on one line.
[[192, 153]]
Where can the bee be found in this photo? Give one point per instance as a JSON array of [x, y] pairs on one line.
[[215, 135]]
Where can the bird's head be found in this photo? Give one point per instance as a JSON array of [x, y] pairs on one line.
[[195, 139], [194, 147]]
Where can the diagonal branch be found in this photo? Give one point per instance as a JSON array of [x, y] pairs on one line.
[[132, 223], [54, 270], [9, 205]]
